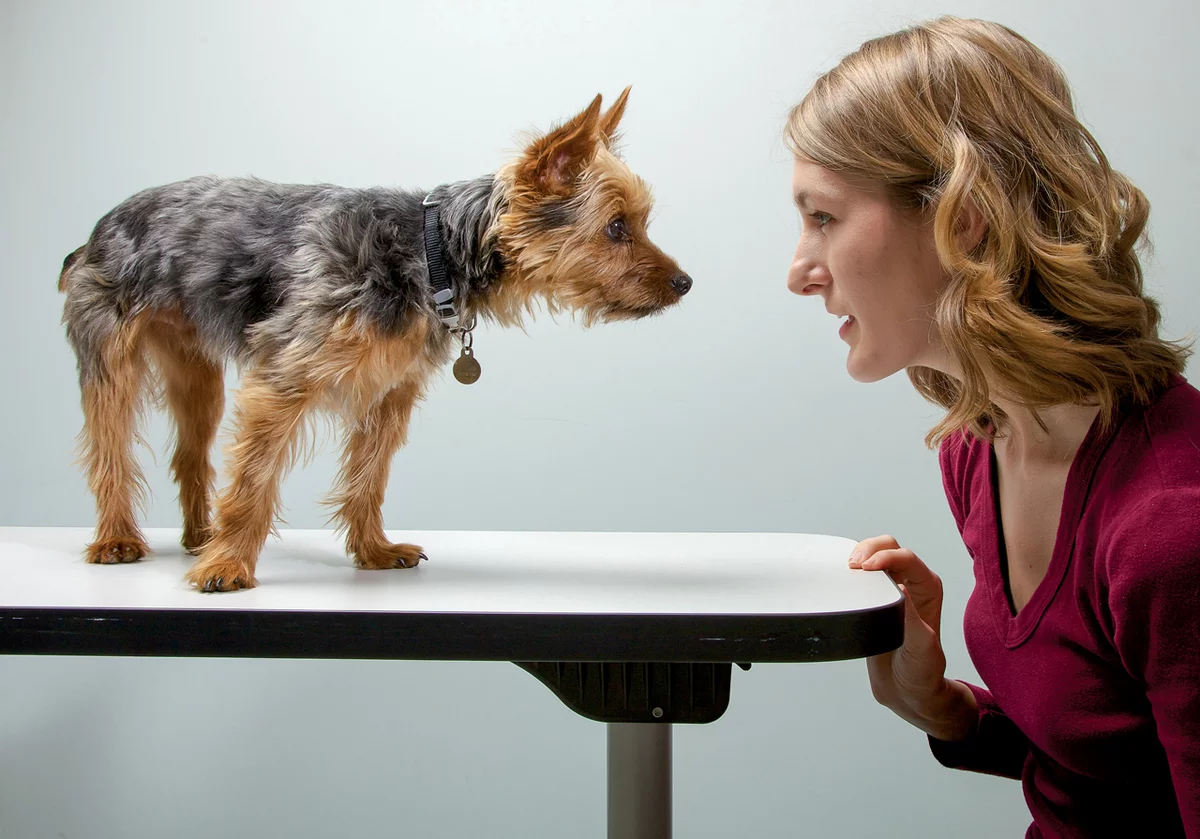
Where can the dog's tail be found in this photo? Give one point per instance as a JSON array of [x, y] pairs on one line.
[[71, 259]]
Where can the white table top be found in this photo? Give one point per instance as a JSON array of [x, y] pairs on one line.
[[707, 577], [541, 572]]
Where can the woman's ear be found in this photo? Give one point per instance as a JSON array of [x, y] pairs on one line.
[[971, 226]]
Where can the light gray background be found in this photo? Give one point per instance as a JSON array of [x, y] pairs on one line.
[[732, 412]]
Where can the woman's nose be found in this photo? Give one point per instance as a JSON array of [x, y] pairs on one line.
[[806, 276]]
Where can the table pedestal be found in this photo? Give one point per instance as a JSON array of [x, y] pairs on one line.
[[639, 780]]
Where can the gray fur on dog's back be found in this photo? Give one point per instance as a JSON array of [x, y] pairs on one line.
[[253, 265]]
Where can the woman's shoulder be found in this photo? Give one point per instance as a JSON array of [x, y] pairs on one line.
[[1170, 429], [963, 458], [1152, 490], [1153, 456], [960, 450]]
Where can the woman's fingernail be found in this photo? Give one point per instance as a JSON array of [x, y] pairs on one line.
[[856, 558]]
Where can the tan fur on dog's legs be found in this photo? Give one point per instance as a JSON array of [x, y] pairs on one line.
[[195, 393], [111, 403], [268, 424], [366, 461]]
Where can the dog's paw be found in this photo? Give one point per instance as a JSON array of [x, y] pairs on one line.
[[211, 575], [389, 556], [113, 551], [195, 538]]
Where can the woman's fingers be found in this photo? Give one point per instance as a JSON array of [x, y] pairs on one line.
[[867, 547], [882, 553]]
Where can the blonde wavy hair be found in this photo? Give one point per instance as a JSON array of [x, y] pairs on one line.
[[1048, 308]]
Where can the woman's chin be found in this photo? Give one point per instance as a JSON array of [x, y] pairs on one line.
[[868, 370]]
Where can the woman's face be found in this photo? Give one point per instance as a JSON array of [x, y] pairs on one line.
[[875, 267]]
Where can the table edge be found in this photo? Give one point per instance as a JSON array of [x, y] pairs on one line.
[[451, 636]]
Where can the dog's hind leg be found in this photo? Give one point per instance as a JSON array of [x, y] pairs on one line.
[[268, 419], [371, 444], [112, 397], [194, 388]]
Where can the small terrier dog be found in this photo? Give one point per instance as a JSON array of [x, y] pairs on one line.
[[330, 299]]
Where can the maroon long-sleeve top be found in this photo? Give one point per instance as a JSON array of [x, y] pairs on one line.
[[1093, 688]]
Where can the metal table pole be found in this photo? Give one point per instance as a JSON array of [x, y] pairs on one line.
[[639, 780]]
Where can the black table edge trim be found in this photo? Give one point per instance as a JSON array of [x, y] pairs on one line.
[[450, 636]]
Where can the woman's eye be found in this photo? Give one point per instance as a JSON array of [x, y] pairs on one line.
[[617, 230], [821, 219]]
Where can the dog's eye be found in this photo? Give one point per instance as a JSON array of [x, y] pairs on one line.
[[617, 230]]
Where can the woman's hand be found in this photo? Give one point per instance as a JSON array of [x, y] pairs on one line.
[[911, 680]]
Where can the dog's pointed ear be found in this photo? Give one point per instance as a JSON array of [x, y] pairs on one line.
[[554, 161], [608, 122]]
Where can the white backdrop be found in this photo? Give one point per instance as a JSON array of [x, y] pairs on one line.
[[731, 412]]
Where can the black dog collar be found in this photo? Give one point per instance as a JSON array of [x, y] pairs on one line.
[[439, 281]]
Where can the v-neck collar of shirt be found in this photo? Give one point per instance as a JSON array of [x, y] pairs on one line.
[[1012, 629]]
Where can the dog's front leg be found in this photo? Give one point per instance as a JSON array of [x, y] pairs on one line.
[[370, 445], [269, 420]]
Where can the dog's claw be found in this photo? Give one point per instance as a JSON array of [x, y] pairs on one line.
[[211, 585], [217, 584], [118, 552], [379, 557]]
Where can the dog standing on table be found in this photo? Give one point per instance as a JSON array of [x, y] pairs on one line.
[[330, 299]]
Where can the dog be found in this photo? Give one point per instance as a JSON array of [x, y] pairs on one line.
[[330, 300]]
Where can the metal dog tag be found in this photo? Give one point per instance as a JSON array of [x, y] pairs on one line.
[[466, 369]]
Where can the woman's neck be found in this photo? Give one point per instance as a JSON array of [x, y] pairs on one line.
[[1021, 440]]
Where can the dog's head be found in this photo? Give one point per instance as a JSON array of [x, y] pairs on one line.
[[575, 229]]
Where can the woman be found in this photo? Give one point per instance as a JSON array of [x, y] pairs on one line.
[[969, 230]]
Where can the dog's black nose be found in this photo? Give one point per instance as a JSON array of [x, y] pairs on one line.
[[682, 283]]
